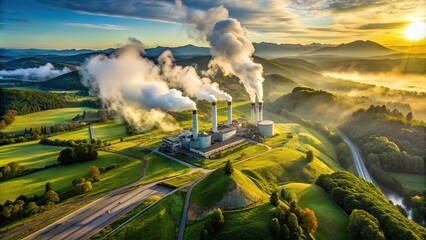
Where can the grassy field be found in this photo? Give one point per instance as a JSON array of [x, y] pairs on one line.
[[282, 165], [182, 180], [253, 223], [159, 222], [332, 221], [234, 155], [61, 177], [415, 181], [110, 131], [159, 167], [44, 118], [29, 154]]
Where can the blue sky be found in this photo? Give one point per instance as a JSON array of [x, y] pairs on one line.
[[101, 24]]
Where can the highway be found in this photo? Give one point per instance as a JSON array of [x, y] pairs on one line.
[[90, 219]]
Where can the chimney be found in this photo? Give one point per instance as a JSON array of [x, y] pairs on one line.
[[214, 117], [194, 125], [260, 111], [229, 113], [253, 107]]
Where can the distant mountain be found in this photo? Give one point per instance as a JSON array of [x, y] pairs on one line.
[[273, 50], [187, 50], [19, 53], [354, 49]]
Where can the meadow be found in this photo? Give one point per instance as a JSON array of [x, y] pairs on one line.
[[44, 118], [415, 181], [159, 167], [29, 154], [61, 177], [332, 221]]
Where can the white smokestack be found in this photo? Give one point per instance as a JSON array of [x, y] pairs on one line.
[[260, 111], [252, 119], [194, 125], [214, 117], [229, 123]]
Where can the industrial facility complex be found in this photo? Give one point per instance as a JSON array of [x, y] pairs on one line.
[[221, 136]]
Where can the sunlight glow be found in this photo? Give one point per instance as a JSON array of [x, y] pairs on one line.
[[415, 31]]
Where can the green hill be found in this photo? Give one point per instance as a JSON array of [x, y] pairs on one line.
[[68, 81], [233, 191]]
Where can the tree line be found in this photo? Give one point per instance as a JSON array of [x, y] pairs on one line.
[[351, 192]]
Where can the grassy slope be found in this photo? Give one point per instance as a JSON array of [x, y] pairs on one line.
[[110, 131], [29, 154], [332, 221], [415, 181], [252, 223], [155, 223], [129, 170], [131, 148], [44, 118], [159, 167]]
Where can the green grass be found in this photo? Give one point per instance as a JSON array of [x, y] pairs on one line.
[[282, 165], [332, 221], [29, 154], [159, 222], [110, 131], [130, 147], [415, 181], [253, 223], [160, 167], [182, 180], [61, 177], [234, 155], [44, 118], [214, 187]]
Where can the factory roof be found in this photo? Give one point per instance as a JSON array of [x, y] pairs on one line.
[[172, 138], [227, 129], [221, 144], [265, 122], [205, 134]]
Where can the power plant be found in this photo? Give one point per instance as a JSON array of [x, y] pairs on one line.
[[221, 136]]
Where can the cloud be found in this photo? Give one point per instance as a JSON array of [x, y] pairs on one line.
[[371, 26], [44, 72], [97, 26]]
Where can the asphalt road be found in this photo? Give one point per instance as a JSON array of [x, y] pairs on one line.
[[90, 219]]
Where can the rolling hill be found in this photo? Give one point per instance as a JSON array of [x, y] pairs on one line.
[[354, 49]]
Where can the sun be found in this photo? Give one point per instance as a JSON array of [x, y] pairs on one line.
[[415, 31]]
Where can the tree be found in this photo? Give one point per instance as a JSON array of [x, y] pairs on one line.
[[285, 195], [217, 219], [285, 232], [121, 139], [275, 227], [309, 220], [66, 155], [309, 156], [48, 187], [363, 226], [104, 118], [94, 173], [51, 196], [274, 198], [83, 187], [229, 169], [31, 208], [409, 116]]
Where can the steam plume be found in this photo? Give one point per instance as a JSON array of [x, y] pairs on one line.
[[232, 52], [186, 78], [133, 86], [44, 72]]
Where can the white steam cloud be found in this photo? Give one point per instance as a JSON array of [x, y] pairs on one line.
[[44, 72], [133, 86], [231, 51], [187, 79]]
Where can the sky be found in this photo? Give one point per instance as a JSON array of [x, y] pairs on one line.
[[93, 24]]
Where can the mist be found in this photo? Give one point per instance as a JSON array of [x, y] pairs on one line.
[[392, 80], [132, 86], [43, 73]]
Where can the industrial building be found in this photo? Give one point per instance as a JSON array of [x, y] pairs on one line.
[[221, 136]]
